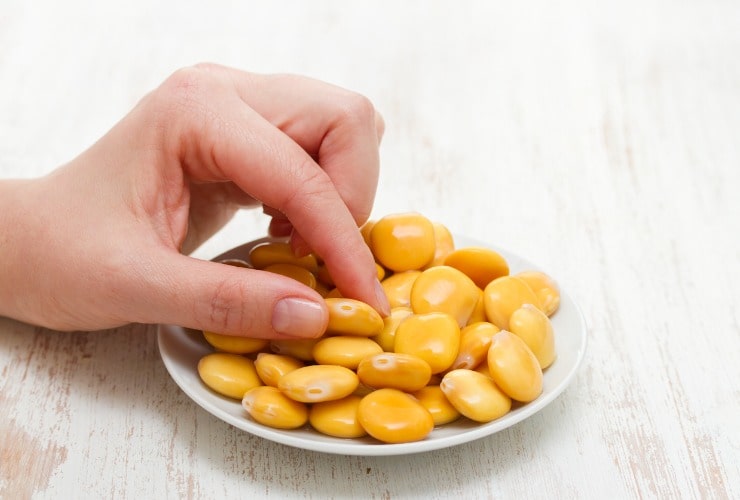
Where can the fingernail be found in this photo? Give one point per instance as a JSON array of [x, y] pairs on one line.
[[299, 318], [384, 307]]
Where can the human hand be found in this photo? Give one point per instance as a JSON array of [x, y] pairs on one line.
[[99, 242]]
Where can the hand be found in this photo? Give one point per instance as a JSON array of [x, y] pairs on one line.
[[99, 242]]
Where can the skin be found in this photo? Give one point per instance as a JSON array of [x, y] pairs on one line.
[[103, 240]]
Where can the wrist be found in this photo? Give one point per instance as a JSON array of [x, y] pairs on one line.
[[13, 233]]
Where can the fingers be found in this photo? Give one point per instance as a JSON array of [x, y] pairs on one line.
[[229, 300], [340, 129], [228, 140]]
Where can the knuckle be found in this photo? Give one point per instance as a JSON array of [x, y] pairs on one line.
[[309, 183], [187, 86], [357, 107], [225, 312]]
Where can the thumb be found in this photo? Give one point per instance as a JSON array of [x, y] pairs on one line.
[[230, 300]]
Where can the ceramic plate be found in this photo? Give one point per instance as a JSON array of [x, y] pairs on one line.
[[182, 348]]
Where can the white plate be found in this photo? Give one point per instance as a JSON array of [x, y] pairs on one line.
[[181, 349]]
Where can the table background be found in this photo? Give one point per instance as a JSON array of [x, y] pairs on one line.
[[598, 139]]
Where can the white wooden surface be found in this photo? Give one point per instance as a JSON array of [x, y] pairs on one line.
[[600, 140]]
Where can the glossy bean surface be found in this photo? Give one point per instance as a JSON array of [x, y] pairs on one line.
[[505, 295], [298, 273], [404, 372], [535, 329], [297, 348], [445, 289], [387, 336], [482, 265], [397, 288], [475, 395], [514, 368], [545, 288], [402, 242], [230, 375], [444, 244], [272, 367], [433, 337], [316, 383], [267, 254], [392, 416], [234, 344], [344, 350], [439, 407], [337, 418], [270, 407], [475, 340], [352, 317]]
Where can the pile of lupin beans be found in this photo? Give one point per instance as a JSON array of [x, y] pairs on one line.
[[465, 339]]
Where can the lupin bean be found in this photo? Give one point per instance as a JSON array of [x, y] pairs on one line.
[[475, 395], [270, 407], [230, 375], [393, 416], [402, 242], [514, 367], [316, 383], [445, 289], [505, 295], [352, 317], [434, 337]]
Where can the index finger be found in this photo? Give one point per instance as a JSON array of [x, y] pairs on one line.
[[339, 128], [228, 140]]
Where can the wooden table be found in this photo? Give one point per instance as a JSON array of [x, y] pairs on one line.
[[601, 140]]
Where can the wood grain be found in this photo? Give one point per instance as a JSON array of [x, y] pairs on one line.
[[599, 140]]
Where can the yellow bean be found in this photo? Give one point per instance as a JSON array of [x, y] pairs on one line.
[[402, 242], [545, 288], [230, 375], [434, 400], [475, 395], [235, 263], [514, 367], [316, 383], [296, 348], [404, 372], [365, 230], [482, 265], [344, 350], [337, 418], [271, 367], [534, 328], [298, 273], [234, 344], [386, 337], [322, 289], [479, 312], [482, 368], [352, 317], [445, 289], [392, 416], [505, 295], [475, 340], [434, 337], [398, 286], [444, 244], [268, 406], [266, 254], [324, 276]]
